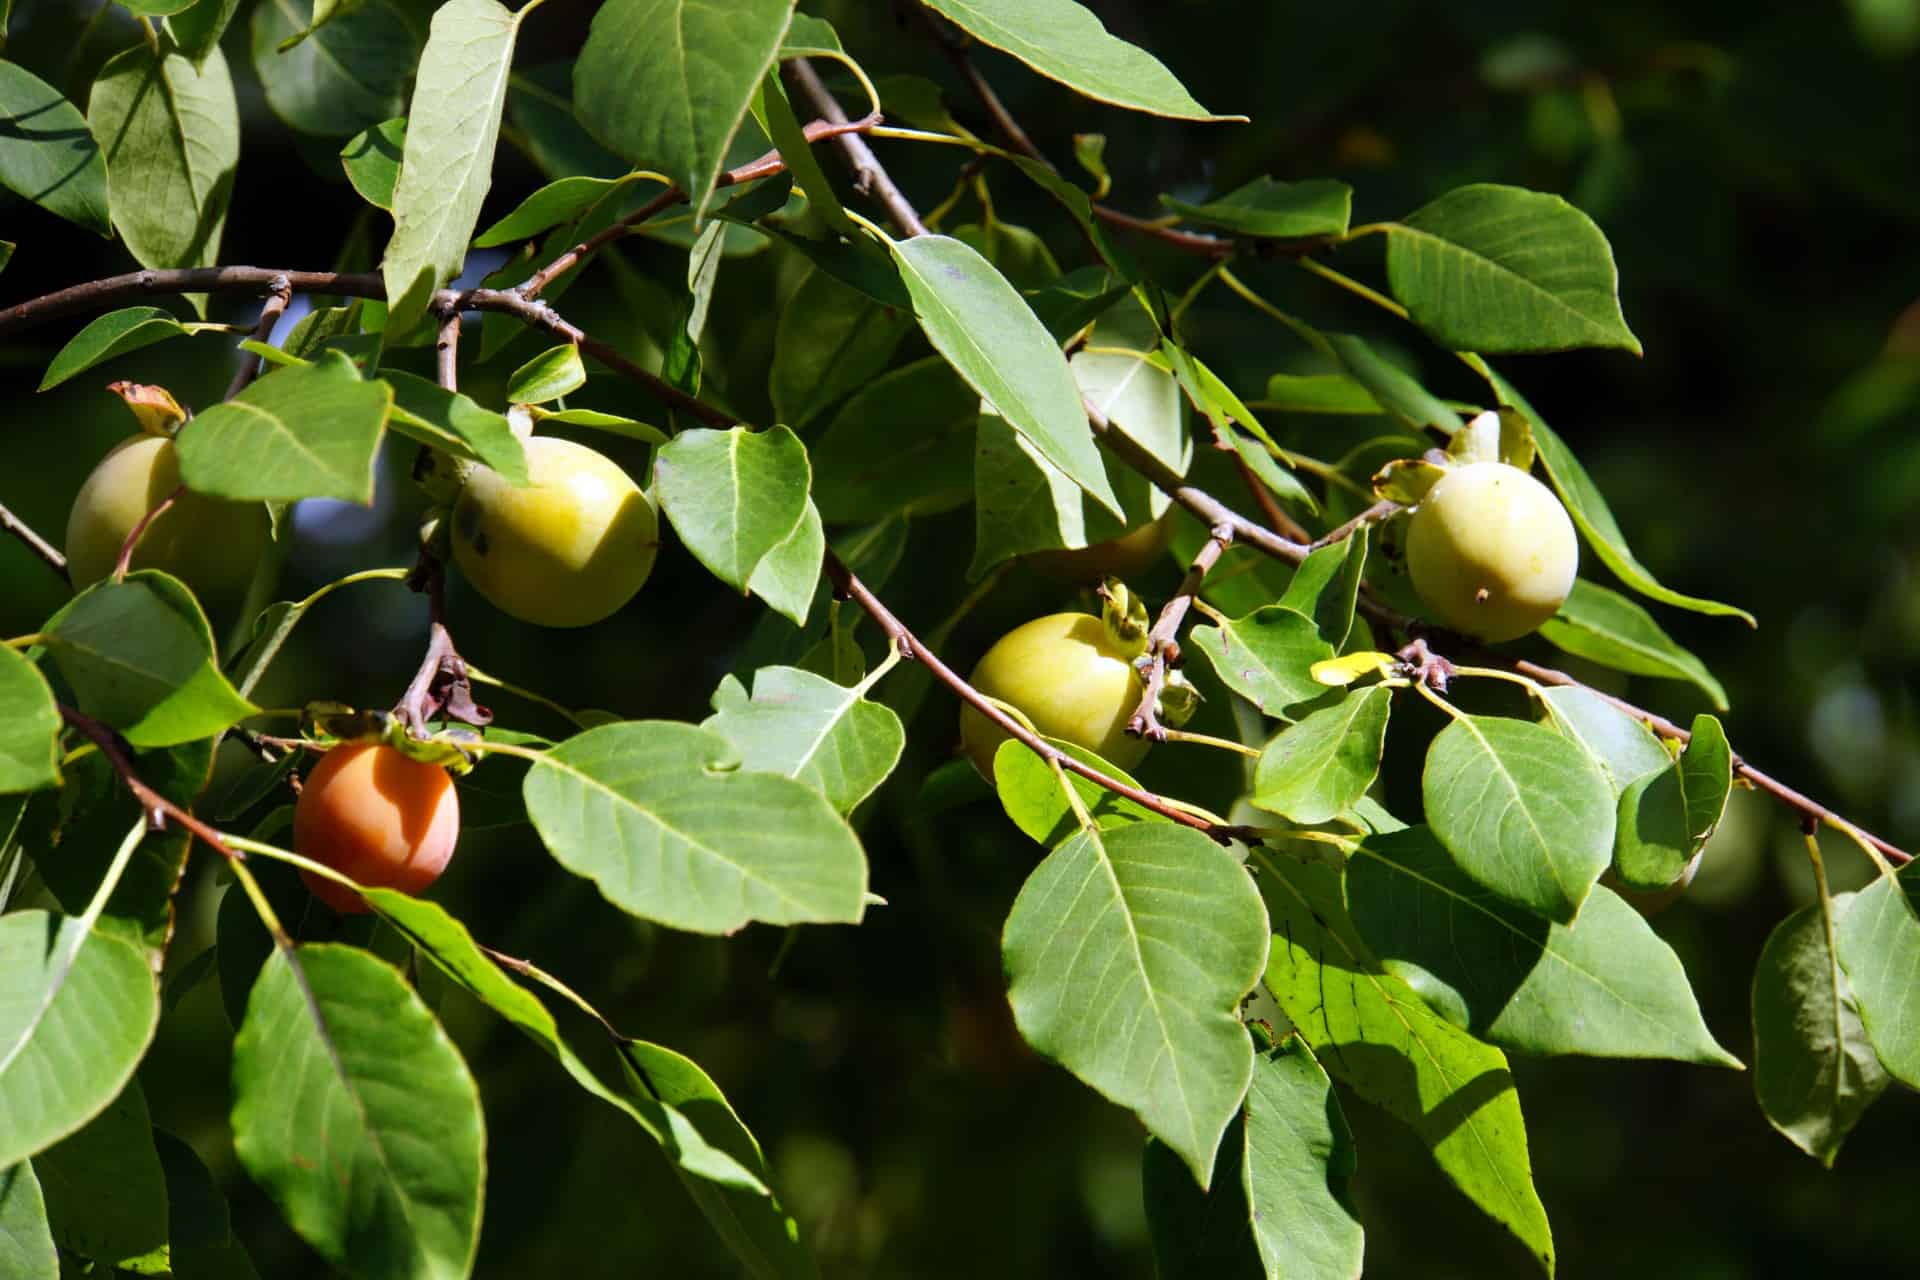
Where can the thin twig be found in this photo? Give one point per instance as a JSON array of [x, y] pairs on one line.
[[446, 348], [764, 167], [48, 553], [158, 808], [869, 176], [1372, 515], [279, 294], [139, 531], [1277, 518], [847, 585], [1163, 648]]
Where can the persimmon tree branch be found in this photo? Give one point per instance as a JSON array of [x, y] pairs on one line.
[[765, 167], [870, 177], [1215, 513], [158, 808], [1163, 646], [848, 586], [24, 533], [279, 294]]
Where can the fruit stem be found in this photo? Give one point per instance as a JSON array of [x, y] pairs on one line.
[[1208, 740], [1162, 649]]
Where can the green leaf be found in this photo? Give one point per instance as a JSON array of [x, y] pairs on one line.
[[1288, 1212], [1605, 627], [425, 411], [1280, 210], [775, 114], [1815, 1072], [1501, 269], [355, 1113], [113, 334], [1606, 986], [733, 496], [1666, 817], [197, 29], [1326, 586], [200, 1240], [1393, 388], [308, 431], [807, 727], [661, 816], [831, 340], [447, 943], [106, 1196], [1063, 41], [453, 123], [551, 205], [372, 161], [26, 1243], [1524, 811], [47, 154], [1878, 941], [1374, 1033], [1266, 657], [986, 331], [1031, 794], [70, 1037], [1316, 770], [1591, 513], [760, 1232], [171, 137], [788, 577], [666, 83], [554, 373], [29, 727], [350, 74], [140, 658], [1622, 745], [612, 423], [903, 444], [1334, 393], [1165, 927]]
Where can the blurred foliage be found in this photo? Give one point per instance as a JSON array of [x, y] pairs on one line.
[[1755, 172]]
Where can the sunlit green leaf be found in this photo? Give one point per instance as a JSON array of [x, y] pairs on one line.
[[1316, 769], [1280, 210], [29, 727], [372, 161], [355, 1113], [1127, 954], [806, 727], [47, 154], [1604, 626], [733, 496]]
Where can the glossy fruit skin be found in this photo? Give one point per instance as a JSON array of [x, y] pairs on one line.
[[568, 549], [1492, 551], [210, 544], [1127, 556], [1070, 677], [377, 817]]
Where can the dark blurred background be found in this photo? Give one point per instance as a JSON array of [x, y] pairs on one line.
[[1758, 173]]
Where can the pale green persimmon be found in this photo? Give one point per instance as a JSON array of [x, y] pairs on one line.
[[1491, 550], [378, 818], [1127, 556], [1069, 675], [566, 550], [210, 544]]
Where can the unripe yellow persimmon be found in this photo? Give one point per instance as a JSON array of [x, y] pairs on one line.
[[1492, 551], [1071, 677], [1127, 556], [210, 544], [378, 818], [567, 549]]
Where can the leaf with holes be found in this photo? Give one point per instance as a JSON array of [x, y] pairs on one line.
[[807, 727]]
